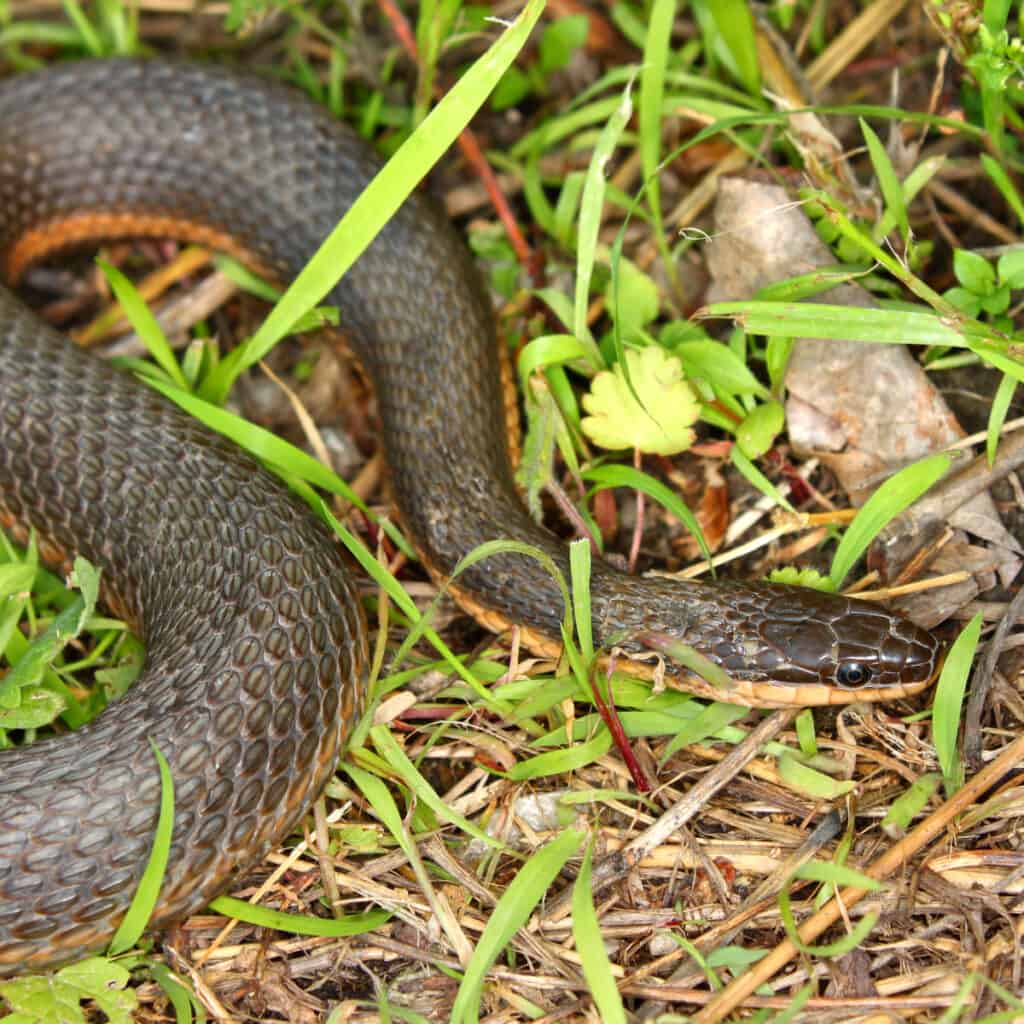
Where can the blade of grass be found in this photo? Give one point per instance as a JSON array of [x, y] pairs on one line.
[[299, 924], [835, 875], [627, 476], [145, 325], [388, 748], [652, 90], [897, 493], [843, 323], [384, 195], [892, 191], [130, 930], [586, 930], [525, 891], [947, 708]]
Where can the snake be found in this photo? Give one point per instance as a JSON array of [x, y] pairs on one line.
[[256, 651]]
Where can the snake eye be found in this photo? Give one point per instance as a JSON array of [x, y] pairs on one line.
[[852, 673]]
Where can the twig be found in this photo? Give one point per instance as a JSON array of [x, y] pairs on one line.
[[740, 989], [620, 863], [982, 679]]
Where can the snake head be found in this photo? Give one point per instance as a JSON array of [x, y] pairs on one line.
[[786, 634], [781, 644]]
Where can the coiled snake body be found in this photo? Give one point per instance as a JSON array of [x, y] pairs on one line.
[[255, 641]]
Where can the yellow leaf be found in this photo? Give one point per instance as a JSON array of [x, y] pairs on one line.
[[660, 423]]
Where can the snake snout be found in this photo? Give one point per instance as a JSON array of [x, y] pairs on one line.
[[877, 648], [916, 655], [844, 643]]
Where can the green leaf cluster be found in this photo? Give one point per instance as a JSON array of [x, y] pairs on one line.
[[984, 288]]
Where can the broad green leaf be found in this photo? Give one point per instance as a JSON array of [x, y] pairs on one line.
[[758, 431], [974, 272], [560, 40], [632, 298], [37, 707], [57, 999], [720, 366], [1011, 268]]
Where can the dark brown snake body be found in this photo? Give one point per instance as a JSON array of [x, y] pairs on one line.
[[255, 640]]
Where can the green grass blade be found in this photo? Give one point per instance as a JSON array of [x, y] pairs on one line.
[[279, 454], [733, 31], [1005, 184], [388, 748], [997, 416], [889, 184], [549, 350], [579, 575], [841, 323], [597, 968], [130, 930], [627, 476], [66, 625], [383, 804], [88, 35], [652, 89], [386, 193], [187, 1007], [299, 924], [835, 875], [947, 708], [140, 316], [512, 911], [757, 479], [563, 761], [591, 211], [897, 493]]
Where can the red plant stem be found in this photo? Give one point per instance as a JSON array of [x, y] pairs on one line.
[[606, 709]]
